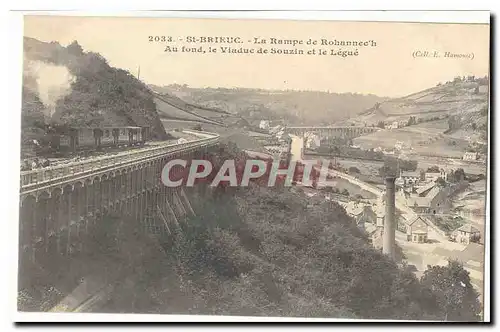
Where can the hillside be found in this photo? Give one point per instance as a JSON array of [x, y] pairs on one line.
[[446, 120], [452, 98], [293, 107], [65, 85], [274, 252]]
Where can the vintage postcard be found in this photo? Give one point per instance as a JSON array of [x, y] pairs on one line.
[[259, 168]]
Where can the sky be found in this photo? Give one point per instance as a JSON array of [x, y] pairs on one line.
[[388, 69]]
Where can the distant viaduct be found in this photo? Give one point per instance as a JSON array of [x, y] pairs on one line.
[[343, 132]]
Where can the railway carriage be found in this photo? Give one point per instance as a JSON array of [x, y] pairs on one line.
[[87, 138]]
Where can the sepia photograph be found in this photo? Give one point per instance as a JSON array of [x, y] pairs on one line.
[[264, 168]]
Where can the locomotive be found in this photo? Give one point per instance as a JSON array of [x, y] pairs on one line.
[[73, 139]]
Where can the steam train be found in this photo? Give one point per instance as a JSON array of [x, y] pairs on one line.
[[73, 139]]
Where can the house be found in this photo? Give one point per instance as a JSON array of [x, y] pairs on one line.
[[424, 190], [483, 89], [433, 176], [416, 229], [426, 199], [400, 182], [374, 234], [389, 152], [431, 202], [264, 124], [470, 156], [399, 145], [312, 141], [467, 234], [362, 213], [469, 212], [367, 216], [409, 178], [379, 209], [393, 125]]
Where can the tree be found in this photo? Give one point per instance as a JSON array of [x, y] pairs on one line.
[[433, 169], [197, 127], [440, 182], [392, 166], [388, 170], [380, 124], [75, 48], [456, 297], [457, 175], [412, 121], [353, 169]]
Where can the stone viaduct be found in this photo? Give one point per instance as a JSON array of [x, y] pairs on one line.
[[330, 132]]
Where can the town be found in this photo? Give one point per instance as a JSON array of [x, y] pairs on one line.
[[439, 198], [244, 191]]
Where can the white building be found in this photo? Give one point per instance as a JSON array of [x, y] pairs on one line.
[[264, 124], [467, 234], [433, 176], [312, 141], [408, 178], [470, 156], [399, 145], [394, 125]]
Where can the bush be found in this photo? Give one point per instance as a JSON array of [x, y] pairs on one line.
[[353, 169], [275, 252]]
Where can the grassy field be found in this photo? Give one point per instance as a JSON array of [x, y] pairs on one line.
[[425, 138]]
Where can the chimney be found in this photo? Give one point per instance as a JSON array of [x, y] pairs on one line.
[[389, 237]]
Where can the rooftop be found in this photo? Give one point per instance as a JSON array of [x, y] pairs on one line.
[[411, 221], [469, 229], [419, 201], [425, 188]]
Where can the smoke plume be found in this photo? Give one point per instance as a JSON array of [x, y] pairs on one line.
[[51, 82]]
